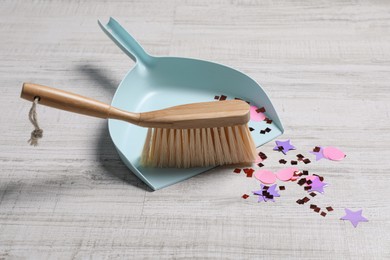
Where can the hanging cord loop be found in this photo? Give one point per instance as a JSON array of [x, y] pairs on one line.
[[37, 133]]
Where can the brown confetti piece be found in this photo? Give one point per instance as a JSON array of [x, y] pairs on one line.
[[305, 172], [262, 132], [251, 129], [236, 98], [260, 164], [300, 201], [267, 129], [294, 162], [329, 208], [323, 214], [237, 170], [282, 188], [313, 206], [306, 161], [265, 187], [302, 181], [317, 209], [268, 121], [262, 155], [320, 177], [305, 199], [300, 156], [313, 194], [245, 196], [223, 97], [307, 188], [316, 149], [309, 182], [216, 97], [282, 161], [261, 109]]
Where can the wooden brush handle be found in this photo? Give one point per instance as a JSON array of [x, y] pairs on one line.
[[75, 103]]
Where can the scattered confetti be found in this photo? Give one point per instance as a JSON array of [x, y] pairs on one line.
[[333, 153], [265, 176], [237, 170], [282, 161], [223, 97], [286, 174], [354, 217], [262, 155], [318, 152], [267, 193], [255, 115], [317, 185], [286, 146]]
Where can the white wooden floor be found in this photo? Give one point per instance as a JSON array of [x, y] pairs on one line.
[[324, 64]]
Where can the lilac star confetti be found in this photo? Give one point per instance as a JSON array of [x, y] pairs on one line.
[[317, 185], [319, 155], [284, 146], [354, 216], [271, 190]]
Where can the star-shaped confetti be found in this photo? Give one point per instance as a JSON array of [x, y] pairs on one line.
[[317, 185], [267, 193], [272, 190], [284, 146], [354, 217], [319, 155]]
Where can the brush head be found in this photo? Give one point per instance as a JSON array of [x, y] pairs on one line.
[[198, 115], [199, 147]]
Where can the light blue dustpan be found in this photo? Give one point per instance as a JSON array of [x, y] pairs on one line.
[[160, 82]]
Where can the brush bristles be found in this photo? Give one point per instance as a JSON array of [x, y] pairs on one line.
[[185, 148]]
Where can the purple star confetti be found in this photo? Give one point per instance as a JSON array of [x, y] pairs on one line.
[[266, 193], [354, 217], [284, 146], [272, 190], [319, 154], [317, 185]]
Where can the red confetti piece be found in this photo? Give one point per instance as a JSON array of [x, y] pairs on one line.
[[323, 214], [245, 196], [260, 110], [237, 170], [223, 97]]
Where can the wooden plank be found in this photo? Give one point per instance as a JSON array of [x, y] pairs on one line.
[[325, 66]]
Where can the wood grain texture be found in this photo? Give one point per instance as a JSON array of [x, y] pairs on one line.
[[325, 66]]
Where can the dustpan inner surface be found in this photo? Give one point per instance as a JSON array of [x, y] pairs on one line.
[[174, 81]]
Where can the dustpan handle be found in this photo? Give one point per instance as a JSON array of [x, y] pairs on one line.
[[125, 41]]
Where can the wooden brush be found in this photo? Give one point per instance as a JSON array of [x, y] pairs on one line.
[[193, 135]]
